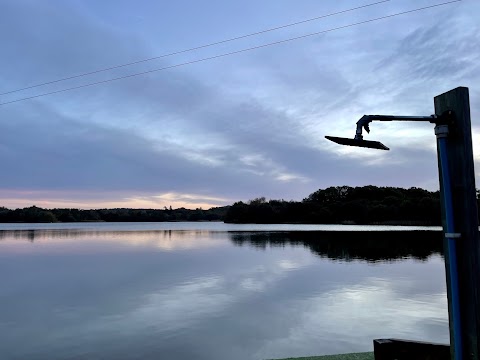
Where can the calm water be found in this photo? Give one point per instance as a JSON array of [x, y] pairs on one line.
[[214, 291]]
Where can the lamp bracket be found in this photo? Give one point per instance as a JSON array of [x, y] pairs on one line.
[[446, 118]]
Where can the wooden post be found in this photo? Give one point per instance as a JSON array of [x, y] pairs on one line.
[[462, 176]]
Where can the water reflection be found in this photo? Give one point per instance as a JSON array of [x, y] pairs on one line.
[[345, 245], [213, 295], [43, 234], [159, 239], [351, 245]]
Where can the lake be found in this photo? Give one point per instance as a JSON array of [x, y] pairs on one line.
[[215, 291]]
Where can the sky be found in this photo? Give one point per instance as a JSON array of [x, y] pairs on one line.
[[232, 128]]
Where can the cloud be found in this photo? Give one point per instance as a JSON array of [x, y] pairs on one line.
[[226, 130]]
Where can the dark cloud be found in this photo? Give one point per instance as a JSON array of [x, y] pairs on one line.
[[44, 41]]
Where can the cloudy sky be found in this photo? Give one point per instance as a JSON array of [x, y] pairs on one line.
[[232, 128]]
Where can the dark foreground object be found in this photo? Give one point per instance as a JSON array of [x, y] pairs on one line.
[[360, 143], [390, 349]]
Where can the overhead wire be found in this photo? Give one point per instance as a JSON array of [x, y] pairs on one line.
[[196, 47], [231, 53]]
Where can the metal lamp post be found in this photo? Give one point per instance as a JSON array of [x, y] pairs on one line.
[[459, 212]]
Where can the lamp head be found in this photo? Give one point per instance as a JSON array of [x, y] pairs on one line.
[[358, 142]]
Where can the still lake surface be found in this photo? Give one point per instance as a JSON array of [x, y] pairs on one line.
[[215, 291]]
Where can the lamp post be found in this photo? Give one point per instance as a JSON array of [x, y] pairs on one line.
[[459, 212]]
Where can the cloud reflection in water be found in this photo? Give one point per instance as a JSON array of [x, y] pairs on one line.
[[212, 295]]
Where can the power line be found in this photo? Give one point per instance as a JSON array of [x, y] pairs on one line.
[[230, 53], [195, 48]]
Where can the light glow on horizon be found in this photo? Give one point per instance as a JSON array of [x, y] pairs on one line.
[[83, 200]]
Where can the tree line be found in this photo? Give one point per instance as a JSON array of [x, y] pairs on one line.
[[333, 205], [36, 214], [345, 205]]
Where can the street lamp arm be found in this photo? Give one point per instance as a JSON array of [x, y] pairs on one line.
[[365, 120], [430, 118]]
